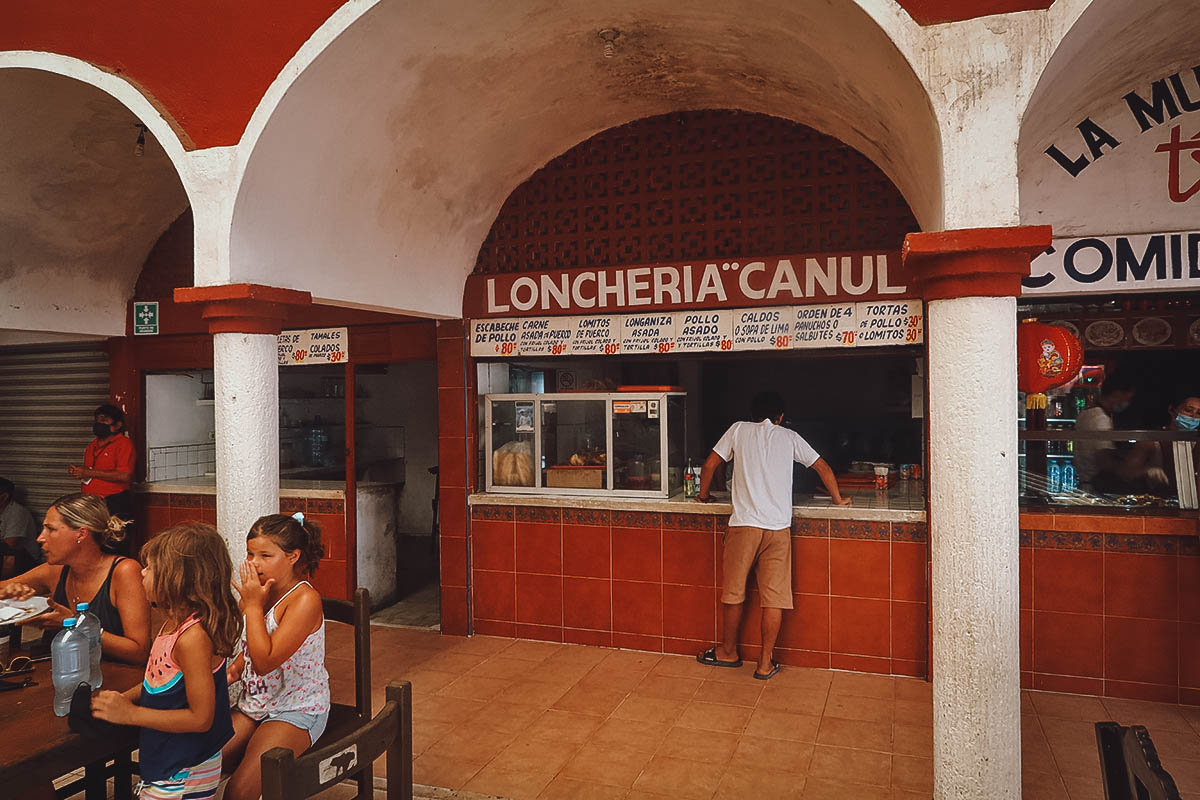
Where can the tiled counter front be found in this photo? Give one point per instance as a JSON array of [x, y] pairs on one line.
[[159, 510], [650, 581], [1111, 606]]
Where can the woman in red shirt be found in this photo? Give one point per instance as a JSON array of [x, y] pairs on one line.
[[108, 463]]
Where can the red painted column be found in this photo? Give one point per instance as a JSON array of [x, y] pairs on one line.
[[456, 471], [970, 280]]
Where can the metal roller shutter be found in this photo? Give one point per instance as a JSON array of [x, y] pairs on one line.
[[48, 394]]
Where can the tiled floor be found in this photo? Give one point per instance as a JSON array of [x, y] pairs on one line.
[[523, 719]]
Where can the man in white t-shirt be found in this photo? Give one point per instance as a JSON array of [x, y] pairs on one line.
[[18, 532], [1098, 465], [760, 529]]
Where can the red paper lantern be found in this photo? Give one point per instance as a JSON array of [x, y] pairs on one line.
[[1047, 356]]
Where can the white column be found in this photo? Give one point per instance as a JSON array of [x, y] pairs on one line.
[[246, 386], [974, 536]]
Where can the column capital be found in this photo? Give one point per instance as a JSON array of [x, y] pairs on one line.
[[973, 262], [243, 307]]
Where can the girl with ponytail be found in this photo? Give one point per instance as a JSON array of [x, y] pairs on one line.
[[285, 688]]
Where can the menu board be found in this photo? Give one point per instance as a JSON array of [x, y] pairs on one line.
[[836, 325]]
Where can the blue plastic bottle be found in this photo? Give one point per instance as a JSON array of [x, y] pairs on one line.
[[1054, 478], [88, 624], [69, 665]]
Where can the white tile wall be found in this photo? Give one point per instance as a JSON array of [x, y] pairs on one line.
[[181, 461]]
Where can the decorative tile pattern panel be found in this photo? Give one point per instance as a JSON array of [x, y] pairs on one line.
[[695, 185]]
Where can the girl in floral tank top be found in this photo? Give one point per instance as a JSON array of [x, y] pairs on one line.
[[285, 688]]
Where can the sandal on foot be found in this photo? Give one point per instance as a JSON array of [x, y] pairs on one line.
[[766, 676], [710, 657]]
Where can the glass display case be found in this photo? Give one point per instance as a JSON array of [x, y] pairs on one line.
[[601, 443]]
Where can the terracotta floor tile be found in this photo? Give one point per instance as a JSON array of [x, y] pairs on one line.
[[599, 702], [637, 734], [707, 746], [533, 693], [914, 689], [1175, 745], [783, 725], [579, 654], [570, 789], [802, 678], [850, 733], [534, 755], [683, 667], [913, 740], [862, 684], [507, 717], [448, 773], [436, 708], [630, 661], [1187, 776], [1068, 706], [620, 681], [614, 766], [424, 736], [488, 645], [912, 773], [425, 681], [459, 663], [905, 794], [667, 686], [824, 789], [795, 701], [562, 726], [851, 766], [532, 651], [714, 717], [650, 709], [503, 667], [1157, 716], [498, 781], [475, 688], [679, 777], [772, 755], [552, 670], [863, 709], [1073, 760], [1027, 706], [739, 784], [914, 712], [1035, 755], [740, 675], [471, 745], [1042, 786], [642, 794], [1069, 732], [733, 694], [1079, 788]]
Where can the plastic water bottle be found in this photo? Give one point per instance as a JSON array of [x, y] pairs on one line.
[[89, 624], [1069, 481], [1054, 478], [68, 665]]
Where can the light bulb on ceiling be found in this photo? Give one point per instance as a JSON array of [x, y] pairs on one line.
[[139, 147], [609, 37]]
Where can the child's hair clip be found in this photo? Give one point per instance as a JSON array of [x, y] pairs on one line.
[[299, 517]]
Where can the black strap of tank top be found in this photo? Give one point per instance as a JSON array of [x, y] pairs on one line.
[[60, 591]]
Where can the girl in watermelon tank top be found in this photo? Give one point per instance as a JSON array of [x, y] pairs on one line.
[[182, 705]]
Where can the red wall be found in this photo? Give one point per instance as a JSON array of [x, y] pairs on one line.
[[205, 65]]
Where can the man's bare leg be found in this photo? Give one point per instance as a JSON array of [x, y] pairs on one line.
[[730, 624], [772, 618]]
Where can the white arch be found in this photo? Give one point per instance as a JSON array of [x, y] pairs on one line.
[[66, 269], [402, 129]]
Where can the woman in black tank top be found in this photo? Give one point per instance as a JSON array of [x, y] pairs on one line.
[[77, 570]]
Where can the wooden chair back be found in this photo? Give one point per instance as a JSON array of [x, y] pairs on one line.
[[358, 616], [285, 777]]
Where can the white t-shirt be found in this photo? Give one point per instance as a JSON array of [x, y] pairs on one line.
[[762, 454], [1091, 419], [17, 523]]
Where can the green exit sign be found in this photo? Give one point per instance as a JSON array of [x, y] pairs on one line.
[[145, 319]]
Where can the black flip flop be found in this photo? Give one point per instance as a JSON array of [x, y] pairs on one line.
[[709, 657], [775, 665]]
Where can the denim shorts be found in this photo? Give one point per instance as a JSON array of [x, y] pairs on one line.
[[314, 724]]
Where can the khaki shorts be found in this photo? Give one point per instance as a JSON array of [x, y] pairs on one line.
[[769, 554]]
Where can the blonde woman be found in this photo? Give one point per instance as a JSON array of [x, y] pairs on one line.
[[74, 534]]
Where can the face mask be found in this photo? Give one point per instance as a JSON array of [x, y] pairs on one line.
[[101, 430], [1187, 423], [1120, 407]]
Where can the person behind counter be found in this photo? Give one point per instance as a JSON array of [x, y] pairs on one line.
[[77, 570], [1098, 464], [108, 462], [760, 529]]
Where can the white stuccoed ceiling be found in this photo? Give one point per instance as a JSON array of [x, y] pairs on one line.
[[79, 211]]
